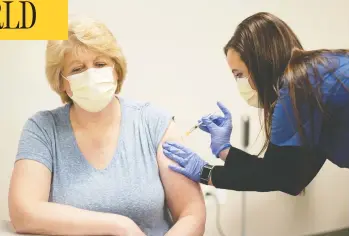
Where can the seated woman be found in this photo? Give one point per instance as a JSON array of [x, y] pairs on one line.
[[95, 166]]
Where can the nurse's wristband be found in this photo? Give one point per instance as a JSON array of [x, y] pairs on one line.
[[205, 174]]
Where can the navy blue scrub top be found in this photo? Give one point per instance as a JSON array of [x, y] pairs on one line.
[[287, 166], [330, 135]]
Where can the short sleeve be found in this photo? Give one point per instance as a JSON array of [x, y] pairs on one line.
[[35, 143], [157, 120], [284, 127]]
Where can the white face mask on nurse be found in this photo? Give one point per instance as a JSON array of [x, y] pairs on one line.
[[245, 85]]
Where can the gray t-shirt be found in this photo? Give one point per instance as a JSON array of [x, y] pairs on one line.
[[130, 185]]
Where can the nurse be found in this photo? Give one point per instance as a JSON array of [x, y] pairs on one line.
[[305, 97]]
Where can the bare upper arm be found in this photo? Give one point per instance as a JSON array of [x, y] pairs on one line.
[[183, 195], [30, 183]]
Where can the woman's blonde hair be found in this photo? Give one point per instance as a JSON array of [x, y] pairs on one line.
[[86, 34]]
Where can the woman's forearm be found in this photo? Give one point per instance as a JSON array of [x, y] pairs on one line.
[[55, 219], [188, 225]]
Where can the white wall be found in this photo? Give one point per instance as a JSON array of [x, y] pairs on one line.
[[175, 57]]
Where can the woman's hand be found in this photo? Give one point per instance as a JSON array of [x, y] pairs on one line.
[[190, 164], [220, 128]]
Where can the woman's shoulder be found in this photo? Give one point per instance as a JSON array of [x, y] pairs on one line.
[[132, 104], [48, 118], [152, 118], [144, 107]]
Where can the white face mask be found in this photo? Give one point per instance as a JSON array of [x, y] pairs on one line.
[[93, 89], [247, 92]]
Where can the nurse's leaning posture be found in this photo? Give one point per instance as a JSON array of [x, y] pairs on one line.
[[305, 97]]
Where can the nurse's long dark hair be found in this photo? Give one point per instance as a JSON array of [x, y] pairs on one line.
[[274, 55]]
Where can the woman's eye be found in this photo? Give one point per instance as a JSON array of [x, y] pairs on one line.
[[100, 64], [76, 70]]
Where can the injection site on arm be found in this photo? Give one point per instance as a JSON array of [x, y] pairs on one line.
[[184, 197]]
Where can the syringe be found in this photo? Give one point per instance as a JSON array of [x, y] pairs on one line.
[[197, 125], [193, 128]]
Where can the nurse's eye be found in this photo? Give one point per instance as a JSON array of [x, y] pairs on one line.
[[239, 75], [100, 64]]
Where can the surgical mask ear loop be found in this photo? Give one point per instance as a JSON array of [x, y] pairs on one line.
[[61, 83], [63, 76]]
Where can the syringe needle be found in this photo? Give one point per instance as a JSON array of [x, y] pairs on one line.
[[191, 130], [197, 125]]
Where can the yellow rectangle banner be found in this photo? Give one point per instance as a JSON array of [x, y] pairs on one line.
[[34, 20]]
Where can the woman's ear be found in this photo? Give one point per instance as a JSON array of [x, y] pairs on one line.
[[61, 83], [65, 87]]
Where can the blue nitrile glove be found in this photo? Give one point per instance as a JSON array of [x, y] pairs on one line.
[[190, 164], [220, 128]]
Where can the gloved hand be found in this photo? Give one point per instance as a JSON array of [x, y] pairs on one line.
[[190, 163], [220, 128]]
